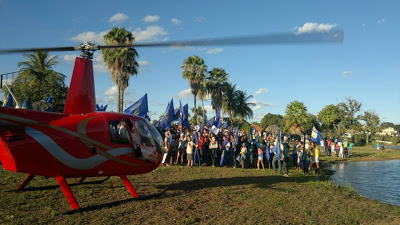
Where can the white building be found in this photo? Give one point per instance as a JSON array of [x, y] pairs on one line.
[[388, 131]]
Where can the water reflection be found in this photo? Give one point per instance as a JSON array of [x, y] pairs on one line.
[[378, 180]]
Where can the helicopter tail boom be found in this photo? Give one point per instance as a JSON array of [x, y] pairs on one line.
[[81, 94]]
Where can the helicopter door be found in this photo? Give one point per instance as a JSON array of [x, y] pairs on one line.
[[134, 135], [148, 148]]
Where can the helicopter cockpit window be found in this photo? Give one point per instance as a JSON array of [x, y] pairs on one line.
[[144, 133], [157, 138], [119, 132]]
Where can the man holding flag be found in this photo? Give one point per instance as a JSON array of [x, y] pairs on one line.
[[277, 152]]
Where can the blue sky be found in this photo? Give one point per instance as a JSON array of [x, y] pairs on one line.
[[365, 67]]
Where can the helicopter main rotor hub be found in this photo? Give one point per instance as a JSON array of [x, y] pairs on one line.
[[87, 49]]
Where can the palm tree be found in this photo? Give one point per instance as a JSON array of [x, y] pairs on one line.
[[229, 99], [194, 70], [215, 84], [202, 93], [242, 109], [120, 61], [37, 80]]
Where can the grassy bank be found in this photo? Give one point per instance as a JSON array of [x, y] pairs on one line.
[[368, 153], [196, 195]]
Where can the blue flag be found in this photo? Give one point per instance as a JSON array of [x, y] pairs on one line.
[[9, 101], [217, 120], [236, 141], [177, 114], [139, 108], [277, 146], [210, 121], [225, 126], [185, 122], [316, 135], [50, 101], [101, 107], [180, 120], [196, 152], [168, 117], [224, 153], [267, 154], [252, 134], [26, 105]]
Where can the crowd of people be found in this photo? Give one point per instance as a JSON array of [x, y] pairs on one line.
[[220, 148]]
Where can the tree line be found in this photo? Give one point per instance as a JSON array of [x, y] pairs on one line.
[[334, 120]]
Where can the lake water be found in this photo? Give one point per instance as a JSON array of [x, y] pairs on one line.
[[378, 180]]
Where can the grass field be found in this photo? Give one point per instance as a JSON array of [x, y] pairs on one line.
[[202, 195]]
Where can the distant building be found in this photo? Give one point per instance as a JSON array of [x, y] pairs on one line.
[[388, 131]]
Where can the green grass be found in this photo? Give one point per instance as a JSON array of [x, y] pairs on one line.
[[367, 153], [199, 195]]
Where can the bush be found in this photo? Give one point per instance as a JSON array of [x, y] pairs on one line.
[[394, 140], [359, 140]]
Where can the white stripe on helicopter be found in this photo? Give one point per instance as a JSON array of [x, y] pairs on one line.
[[61, 155]]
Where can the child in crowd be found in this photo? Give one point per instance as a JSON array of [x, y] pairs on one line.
[[260, 157], [189, 151], [243, 152]]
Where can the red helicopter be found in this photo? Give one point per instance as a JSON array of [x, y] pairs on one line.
[[81, 142]]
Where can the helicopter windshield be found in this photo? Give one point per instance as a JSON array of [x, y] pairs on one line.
[[157, 137]]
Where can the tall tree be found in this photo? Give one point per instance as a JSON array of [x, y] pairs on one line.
[[194, 70], [372, 121], [199, 116], [120, 61], [332, 119], [297, 119], [351, 107], [202, 93], [271, 119], [242, 109], [215, 84], [37, 80], [229, 99]]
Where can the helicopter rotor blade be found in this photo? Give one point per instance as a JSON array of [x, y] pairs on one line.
[[52, 49], [335, 36]]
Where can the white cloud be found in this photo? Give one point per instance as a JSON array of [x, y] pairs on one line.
[[258, 116], [151, 19], [111, 91], [363, 25], [185, 94], [143, 63], [347, 73], [259, 104], [69, 58], [381, 21], [175, 21], [150, 33], [315, 27], [209, 109], [200, 19], [118, 18], [214, 50], [90, 37], [261, 91], [100, 68]]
